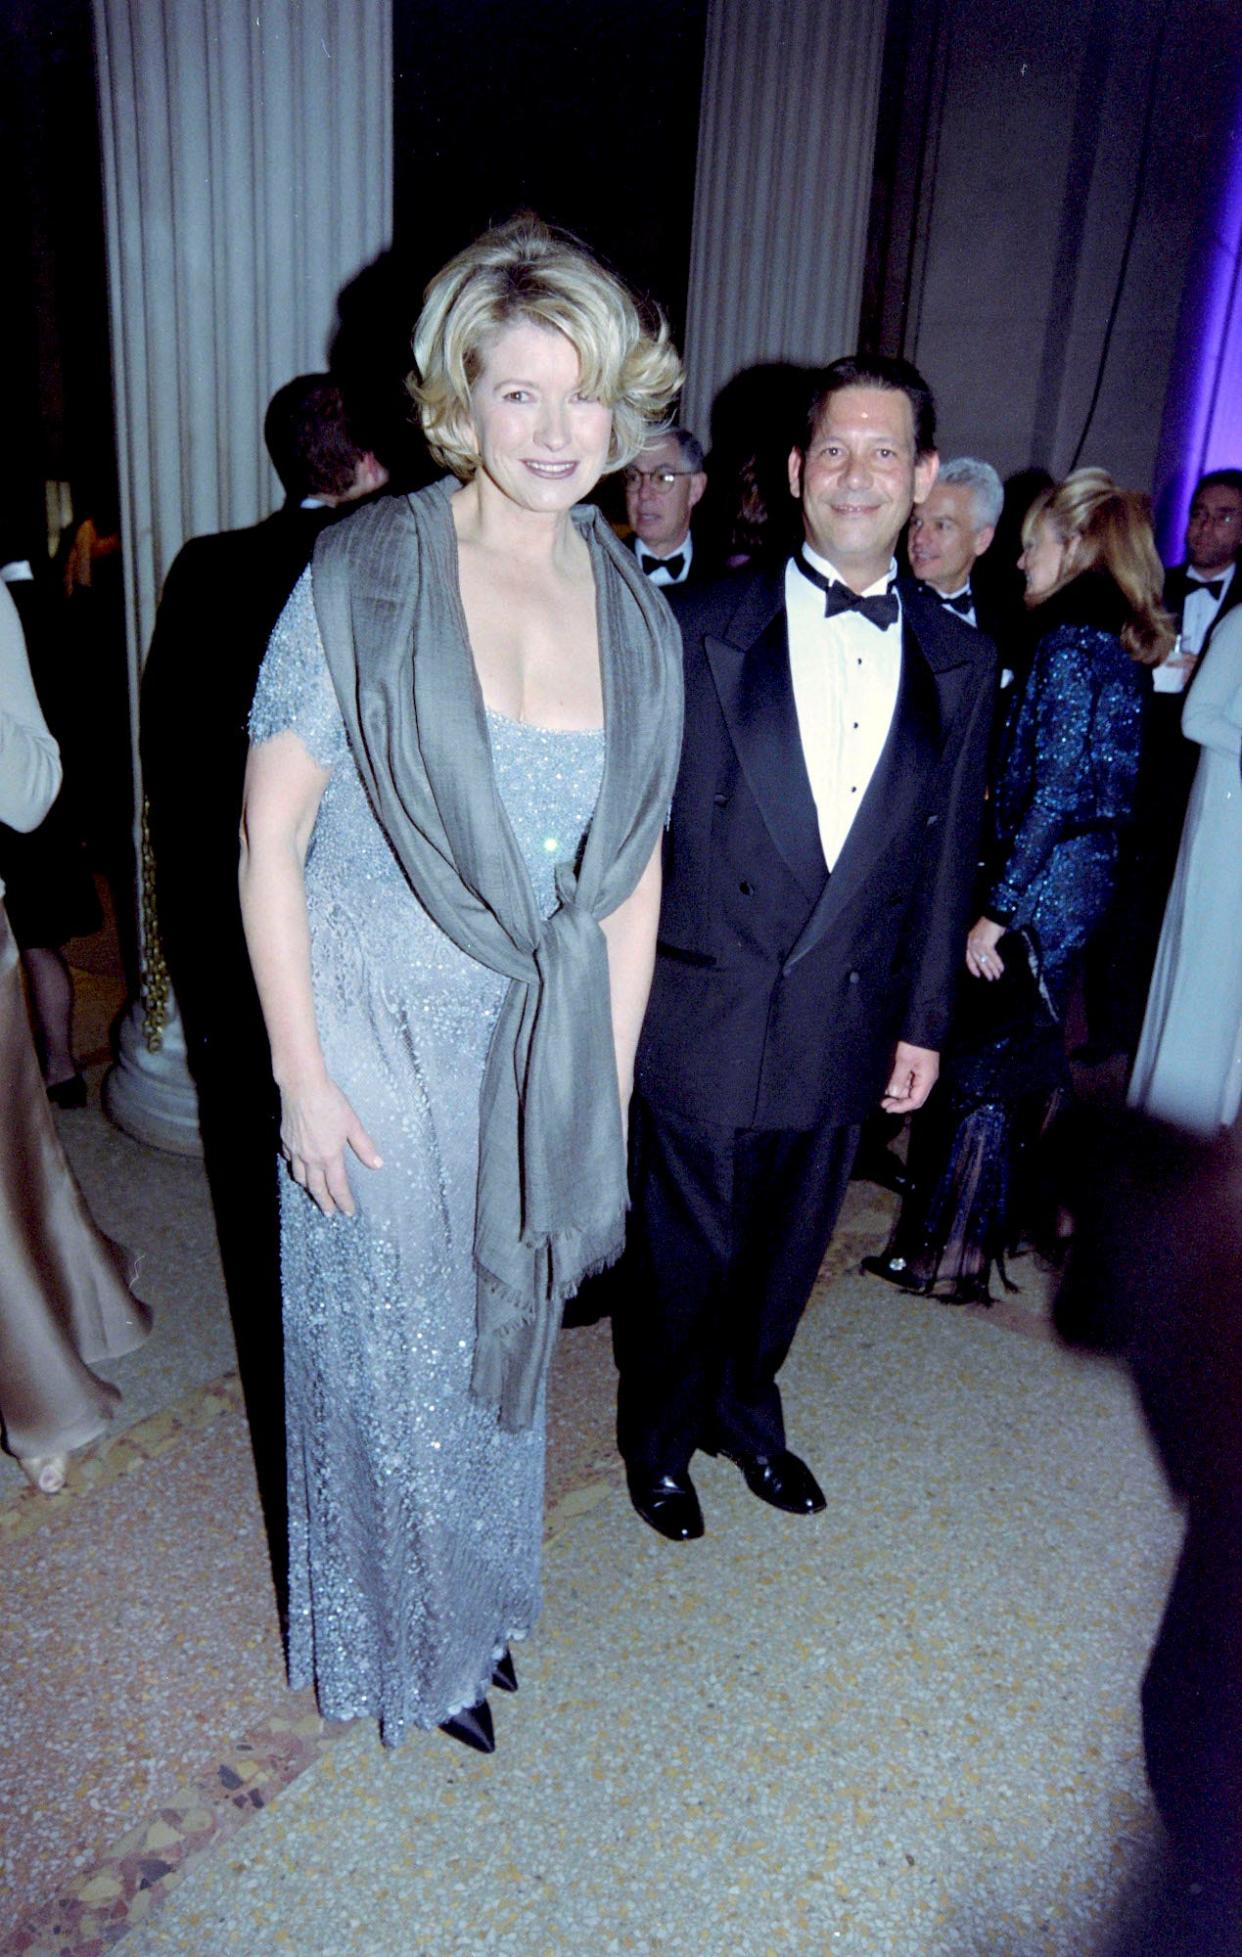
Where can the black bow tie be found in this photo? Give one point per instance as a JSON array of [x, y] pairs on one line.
[[673, 565], [962, 603], [1213, 587], [882, 610]]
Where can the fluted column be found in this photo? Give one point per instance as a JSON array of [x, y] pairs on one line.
[[247, 154], [786, 144]]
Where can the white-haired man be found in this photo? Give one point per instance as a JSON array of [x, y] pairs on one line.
[[662, 486], [952, 527]]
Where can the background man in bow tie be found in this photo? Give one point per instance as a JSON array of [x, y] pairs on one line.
[[818, 873], [1200, 592], [952, 527], [661, 489]]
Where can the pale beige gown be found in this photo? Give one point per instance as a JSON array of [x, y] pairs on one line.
[[65, 1303]]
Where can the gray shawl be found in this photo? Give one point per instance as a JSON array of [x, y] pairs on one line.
[[551, 1192]]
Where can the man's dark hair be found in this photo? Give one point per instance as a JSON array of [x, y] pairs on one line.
[[874, 370], [309, 438], [1220, 479]]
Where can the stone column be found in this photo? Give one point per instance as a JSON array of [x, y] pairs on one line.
[[786, 144], [247, 157]]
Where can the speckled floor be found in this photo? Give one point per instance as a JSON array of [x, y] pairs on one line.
[[907, 1726]]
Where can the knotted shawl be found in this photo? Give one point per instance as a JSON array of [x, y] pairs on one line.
[[551, 1195]]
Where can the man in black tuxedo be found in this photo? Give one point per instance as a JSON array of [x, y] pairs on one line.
[[1198, 594], [221, 598], [662, 486], [1204, 589], [818, 875]]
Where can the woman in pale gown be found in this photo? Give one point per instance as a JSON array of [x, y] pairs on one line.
[[1188, 1068], [465, 737], [64, 1300]]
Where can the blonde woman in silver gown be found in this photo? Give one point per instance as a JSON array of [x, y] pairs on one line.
[[64, 1300], [465, 737]]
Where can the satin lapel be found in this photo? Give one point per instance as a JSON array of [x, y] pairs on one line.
[[755, 691], [911, 750]]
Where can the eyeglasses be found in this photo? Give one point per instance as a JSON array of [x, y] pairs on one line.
[[661, 480]]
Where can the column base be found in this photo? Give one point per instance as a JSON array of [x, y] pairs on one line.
[[151, 1095]]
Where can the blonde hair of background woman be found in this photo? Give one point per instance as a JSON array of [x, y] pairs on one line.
[[1109, 529], [525, 271]]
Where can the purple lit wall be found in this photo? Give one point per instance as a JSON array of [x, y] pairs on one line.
[[1202, 426]]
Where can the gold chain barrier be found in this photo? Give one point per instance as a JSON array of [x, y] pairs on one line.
[[155, 985]]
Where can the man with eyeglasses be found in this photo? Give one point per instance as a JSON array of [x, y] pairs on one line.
[[661, 489]]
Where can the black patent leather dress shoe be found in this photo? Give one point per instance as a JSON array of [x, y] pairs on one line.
[[473, 1727], [504, 1672], [781, 1480], [669, 1505]]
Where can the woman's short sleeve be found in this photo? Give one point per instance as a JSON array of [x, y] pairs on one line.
[[295, 690]]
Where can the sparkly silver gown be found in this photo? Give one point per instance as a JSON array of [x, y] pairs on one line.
[[415, 1522]]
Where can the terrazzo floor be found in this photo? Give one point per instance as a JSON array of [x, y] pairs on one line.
[[907, 1726]]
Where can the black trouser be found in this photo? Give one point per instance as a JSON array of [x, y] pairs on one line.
[[727, 1233]]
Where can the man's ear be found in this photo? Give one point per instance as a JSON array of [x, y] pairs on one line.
[[795, 474], [698, 483], [983, 538], [926, 469], [370, 474]]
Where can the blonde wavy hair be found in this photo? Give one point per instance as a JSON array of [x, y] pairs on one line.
[[1109, 529], [525, 270]]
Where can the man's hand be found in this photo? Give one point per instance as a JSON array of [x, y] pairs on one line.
[[911, 1078]]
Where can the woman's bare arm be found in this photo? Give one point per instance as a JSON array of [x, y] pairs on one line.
[[282, 794], [631, 936]]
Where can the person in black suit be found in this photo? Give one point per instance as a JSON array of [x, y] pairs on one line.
[[1213, 545], [662, 486], [818, 877], [221, 598], [1197, 595]]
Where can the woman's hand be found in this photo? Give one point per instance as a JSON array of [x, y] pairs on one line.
[[982, 958], [316, 1125]]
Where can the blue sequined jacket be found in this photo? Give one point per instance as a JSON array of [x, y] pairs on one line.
[[1071, 754]]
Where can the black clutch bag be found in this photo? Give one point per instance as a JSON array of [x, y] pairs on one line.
[[1017, 1001]]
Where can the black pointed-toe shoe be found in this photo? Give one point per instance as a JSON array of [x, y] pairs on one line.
[[504, 1672], [895, 1270], [669, 1505], [473, 1727], [781, 1480]]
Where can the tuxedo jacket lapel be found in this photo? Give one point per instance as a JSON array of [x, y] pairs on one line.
[[905, 763], [750, 671]]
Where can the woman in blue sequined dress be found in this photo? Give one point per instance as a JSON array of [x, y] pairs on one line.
[[464, 741], [1064, 790]]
